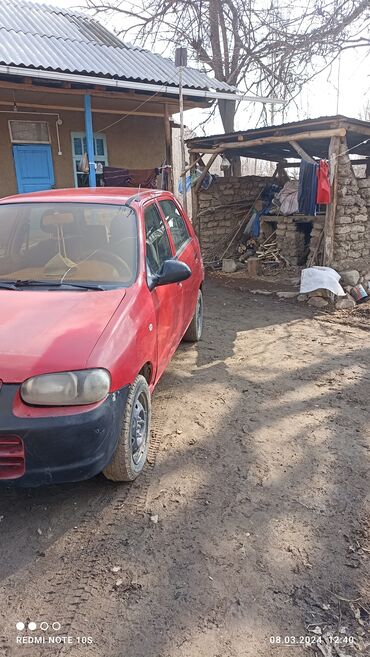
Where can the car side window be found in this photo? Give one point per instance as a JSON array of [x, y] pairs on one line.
[[176, 223], [158, 247]]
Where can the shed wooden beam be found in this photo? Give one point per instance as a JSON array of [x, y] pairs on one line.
[[281, 139], [301, 152], [358, 129], [288, 165], [204, 172], [279, 132], [193, 162]]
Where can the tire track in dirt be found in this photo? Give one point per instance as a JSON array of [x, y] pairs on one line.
[[84, 551]]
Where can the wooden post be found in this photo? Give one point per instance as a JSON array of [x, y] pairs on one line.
[[168, 141], [195, 191], [194, 197], [329, 227], [182, 139]]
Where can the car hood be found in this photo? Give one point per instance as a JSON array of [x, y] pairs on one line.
[[49, 331]]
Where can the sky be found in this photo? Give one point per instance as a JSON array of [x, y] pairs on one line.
[[319, 98]]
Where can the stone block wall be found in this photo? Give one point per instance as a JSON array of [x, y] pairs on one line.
[[217, 218], [219, 213], [297, 237], [352, 222], [286, 238], [318, 223], [364, 189]]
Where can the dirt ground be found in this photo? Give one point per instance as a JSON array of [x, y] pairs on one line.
[[248, 530]]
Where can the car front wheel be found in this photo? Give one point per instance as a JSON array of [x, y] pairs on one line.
[[132, 449], [194, 332]]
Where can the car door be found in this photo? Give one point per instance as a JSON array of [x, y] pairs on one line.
[[186, 251], [167, 299]]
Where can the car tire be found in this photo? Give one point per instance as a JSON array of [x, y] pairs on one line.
[[132, 449], [195, 329]]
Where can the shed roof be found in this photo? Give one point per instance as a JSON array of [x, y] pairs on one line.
[[49, 38], [357, 132]]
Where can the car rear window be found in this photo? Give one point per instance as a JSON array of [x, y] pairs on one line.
[[79, 242]]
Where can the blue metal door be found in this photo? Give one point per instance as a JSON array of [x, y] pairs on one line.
[[33, 167]]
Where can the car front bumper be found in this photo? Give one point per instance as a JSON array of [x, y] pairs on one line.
[[57, 448]]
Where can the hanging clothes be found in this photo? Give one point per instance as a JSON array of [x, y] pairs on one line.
[[187, 184], [307, 190], [116, 177], [192, 178], [323, 183], [253, 226]]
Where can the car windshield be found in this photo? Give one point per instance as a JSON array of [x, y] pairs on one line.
[[68, 243]]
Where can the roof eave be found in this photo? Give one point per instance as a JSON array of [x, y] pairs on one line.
[[205, 94]]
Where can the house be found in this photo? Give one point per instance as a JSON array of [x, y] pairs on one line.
[[69, 86], [336, 234]]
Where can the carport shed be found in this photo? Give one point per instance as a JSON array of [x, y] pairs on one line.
[[339, 236]]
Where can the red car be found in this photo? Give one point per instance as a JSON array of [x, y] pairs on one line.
[[97, 289]]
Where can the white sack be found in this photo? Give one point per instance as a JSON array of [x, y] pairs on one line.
[[318, 278]]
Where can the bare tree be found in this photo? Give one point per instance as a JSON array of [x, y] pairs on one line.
[[271, 47]]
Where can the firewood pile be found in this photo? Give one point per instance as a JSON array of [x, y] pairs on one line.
[[266, 251]]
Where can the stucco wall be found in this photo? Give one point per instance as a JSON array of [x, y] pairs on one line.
[[136, 142]]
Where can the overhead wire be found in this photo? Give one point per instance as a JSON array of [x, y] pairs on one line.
[[147, 100], [352, 147]]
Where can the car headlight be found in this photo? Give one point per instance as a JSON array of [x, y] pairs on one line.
[[66, 388]]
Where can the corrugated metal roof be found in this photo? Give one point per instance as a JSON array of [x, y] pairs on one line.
[[311, 124], [315, 146], [50, 38]]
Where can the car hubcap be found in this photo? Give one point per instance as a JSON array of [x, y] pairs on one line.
[[139, 429], [199, 315]]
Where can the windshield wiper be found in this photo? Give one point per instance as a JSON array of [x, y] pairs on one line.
[[7, 286], [87, 286], [30, 283]]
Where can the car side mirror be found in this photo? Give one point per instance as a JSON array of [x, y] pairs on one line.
[[172, 271]]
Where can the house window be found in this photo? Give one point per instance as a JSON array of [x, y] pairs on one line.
[[29, 132], [79, 147]]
